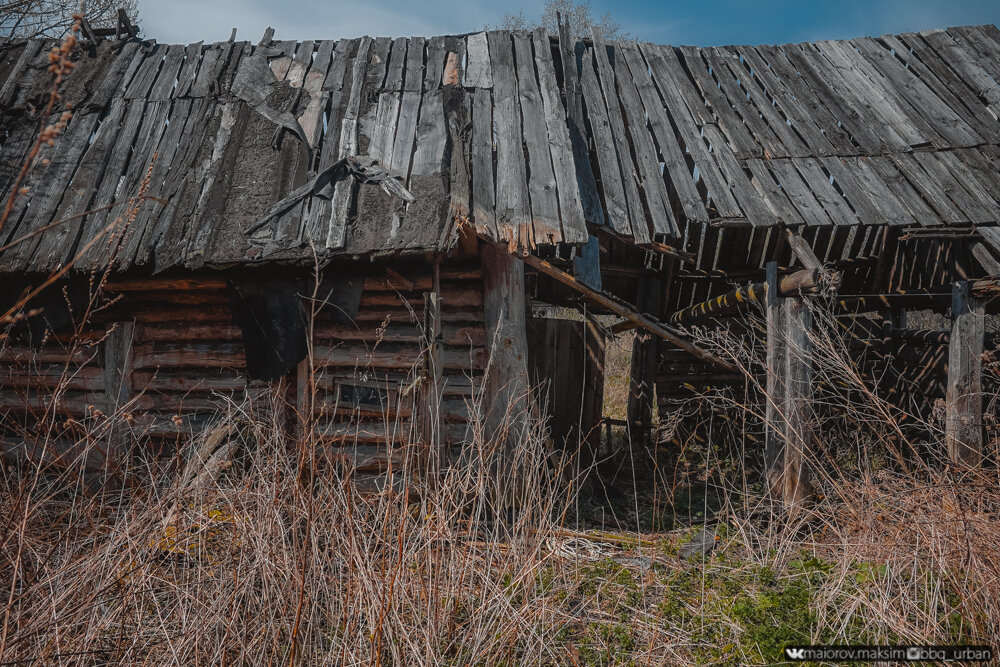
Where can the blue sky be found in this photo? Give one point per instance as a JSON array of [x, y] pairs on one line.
[[697, 22]]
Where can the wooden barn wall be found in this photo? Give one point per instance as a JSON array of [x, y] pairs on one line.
[[188, 365]]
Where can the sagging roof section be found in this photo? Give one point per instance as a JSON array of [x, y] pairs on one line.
[[900, 129], [472, 126], [706, 148]]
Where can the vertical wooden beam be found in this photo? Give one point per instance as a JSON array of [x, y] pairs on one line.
[[774, 445], [593, 393], [426, 460], [643, 372], [118, 389], [798, 399], [964, 414], [507, 401]]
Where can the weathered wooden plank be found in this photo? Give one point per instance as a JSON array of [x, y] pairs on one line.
[[432, 136], [608, 164], [665, 70], [560, 148], [116, 76], [943, 118], [406, 130], [943, 81], [790, 109], [654, 188], [824, 192], [188, 73], [798, 400], [819, 76], [675, 165], [753, 208], [907, 202], [960, 185], [483, 186], [571, 52], [962, 63], [868, 196], [737, 129], [777, 363], [478, 69], [774, 196], [512, 207], [166, 78], [336, 228], [434, 65], [609, 85], [541, 179], [799, 192], [929, 188], [14, 80], [752, 104], [964, 402], [882, 100]]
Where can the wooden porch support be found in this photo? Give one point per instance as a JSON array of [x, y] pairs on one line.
[[507, 400], [118, 389], [789, 393], [642, 378], [964, 413], [427, 458]]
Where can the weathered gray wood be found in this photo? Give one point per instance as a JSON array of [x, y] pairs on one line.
[[789, 108], [114, 77], [777, 362], [570, 53], [986, 259], [609, 86], [427, 460], [336, 230], [666, 74], [509, 403], [798, 400], [960, 185], [736, 129], [736, 179], [961, 62], [642, 375], [798, 192], [541, 179], [964, 402], [512, 208], [483, 188], [909, 207], [432, 136], [804, 252], [658, 203], [166, 79], [929, 188], [751, 102], [616, 206], [775, 197], [942, 80], [824, 192], [675, 165], [478, 70], [14, 79], [560, 147], [904, 83]]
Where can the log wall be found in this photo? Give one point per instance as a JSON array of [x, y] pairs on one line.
[[188, 366]]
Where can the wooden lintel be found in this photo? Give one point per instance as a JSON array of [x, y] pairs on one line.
[[626, 311]]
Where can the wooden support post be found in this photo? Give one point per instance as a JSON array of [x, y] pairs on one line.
[[642, 379], [426, 460], [798, 399], [964, 415], [789, 393], [118, 390], [507, 400], [593, 393], [774, 446]]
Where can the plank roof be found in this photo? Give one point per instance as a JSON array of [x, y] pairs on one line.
[[241, 147]]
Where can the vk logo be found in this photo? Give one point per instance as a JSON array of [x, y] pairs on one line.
[[795, 653]]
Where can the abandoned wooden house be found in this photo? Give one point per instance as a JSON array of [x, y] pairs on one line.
[[313, 221]]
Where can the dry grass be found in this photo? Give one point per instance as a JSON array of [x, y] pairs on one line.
[[273, 563]]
